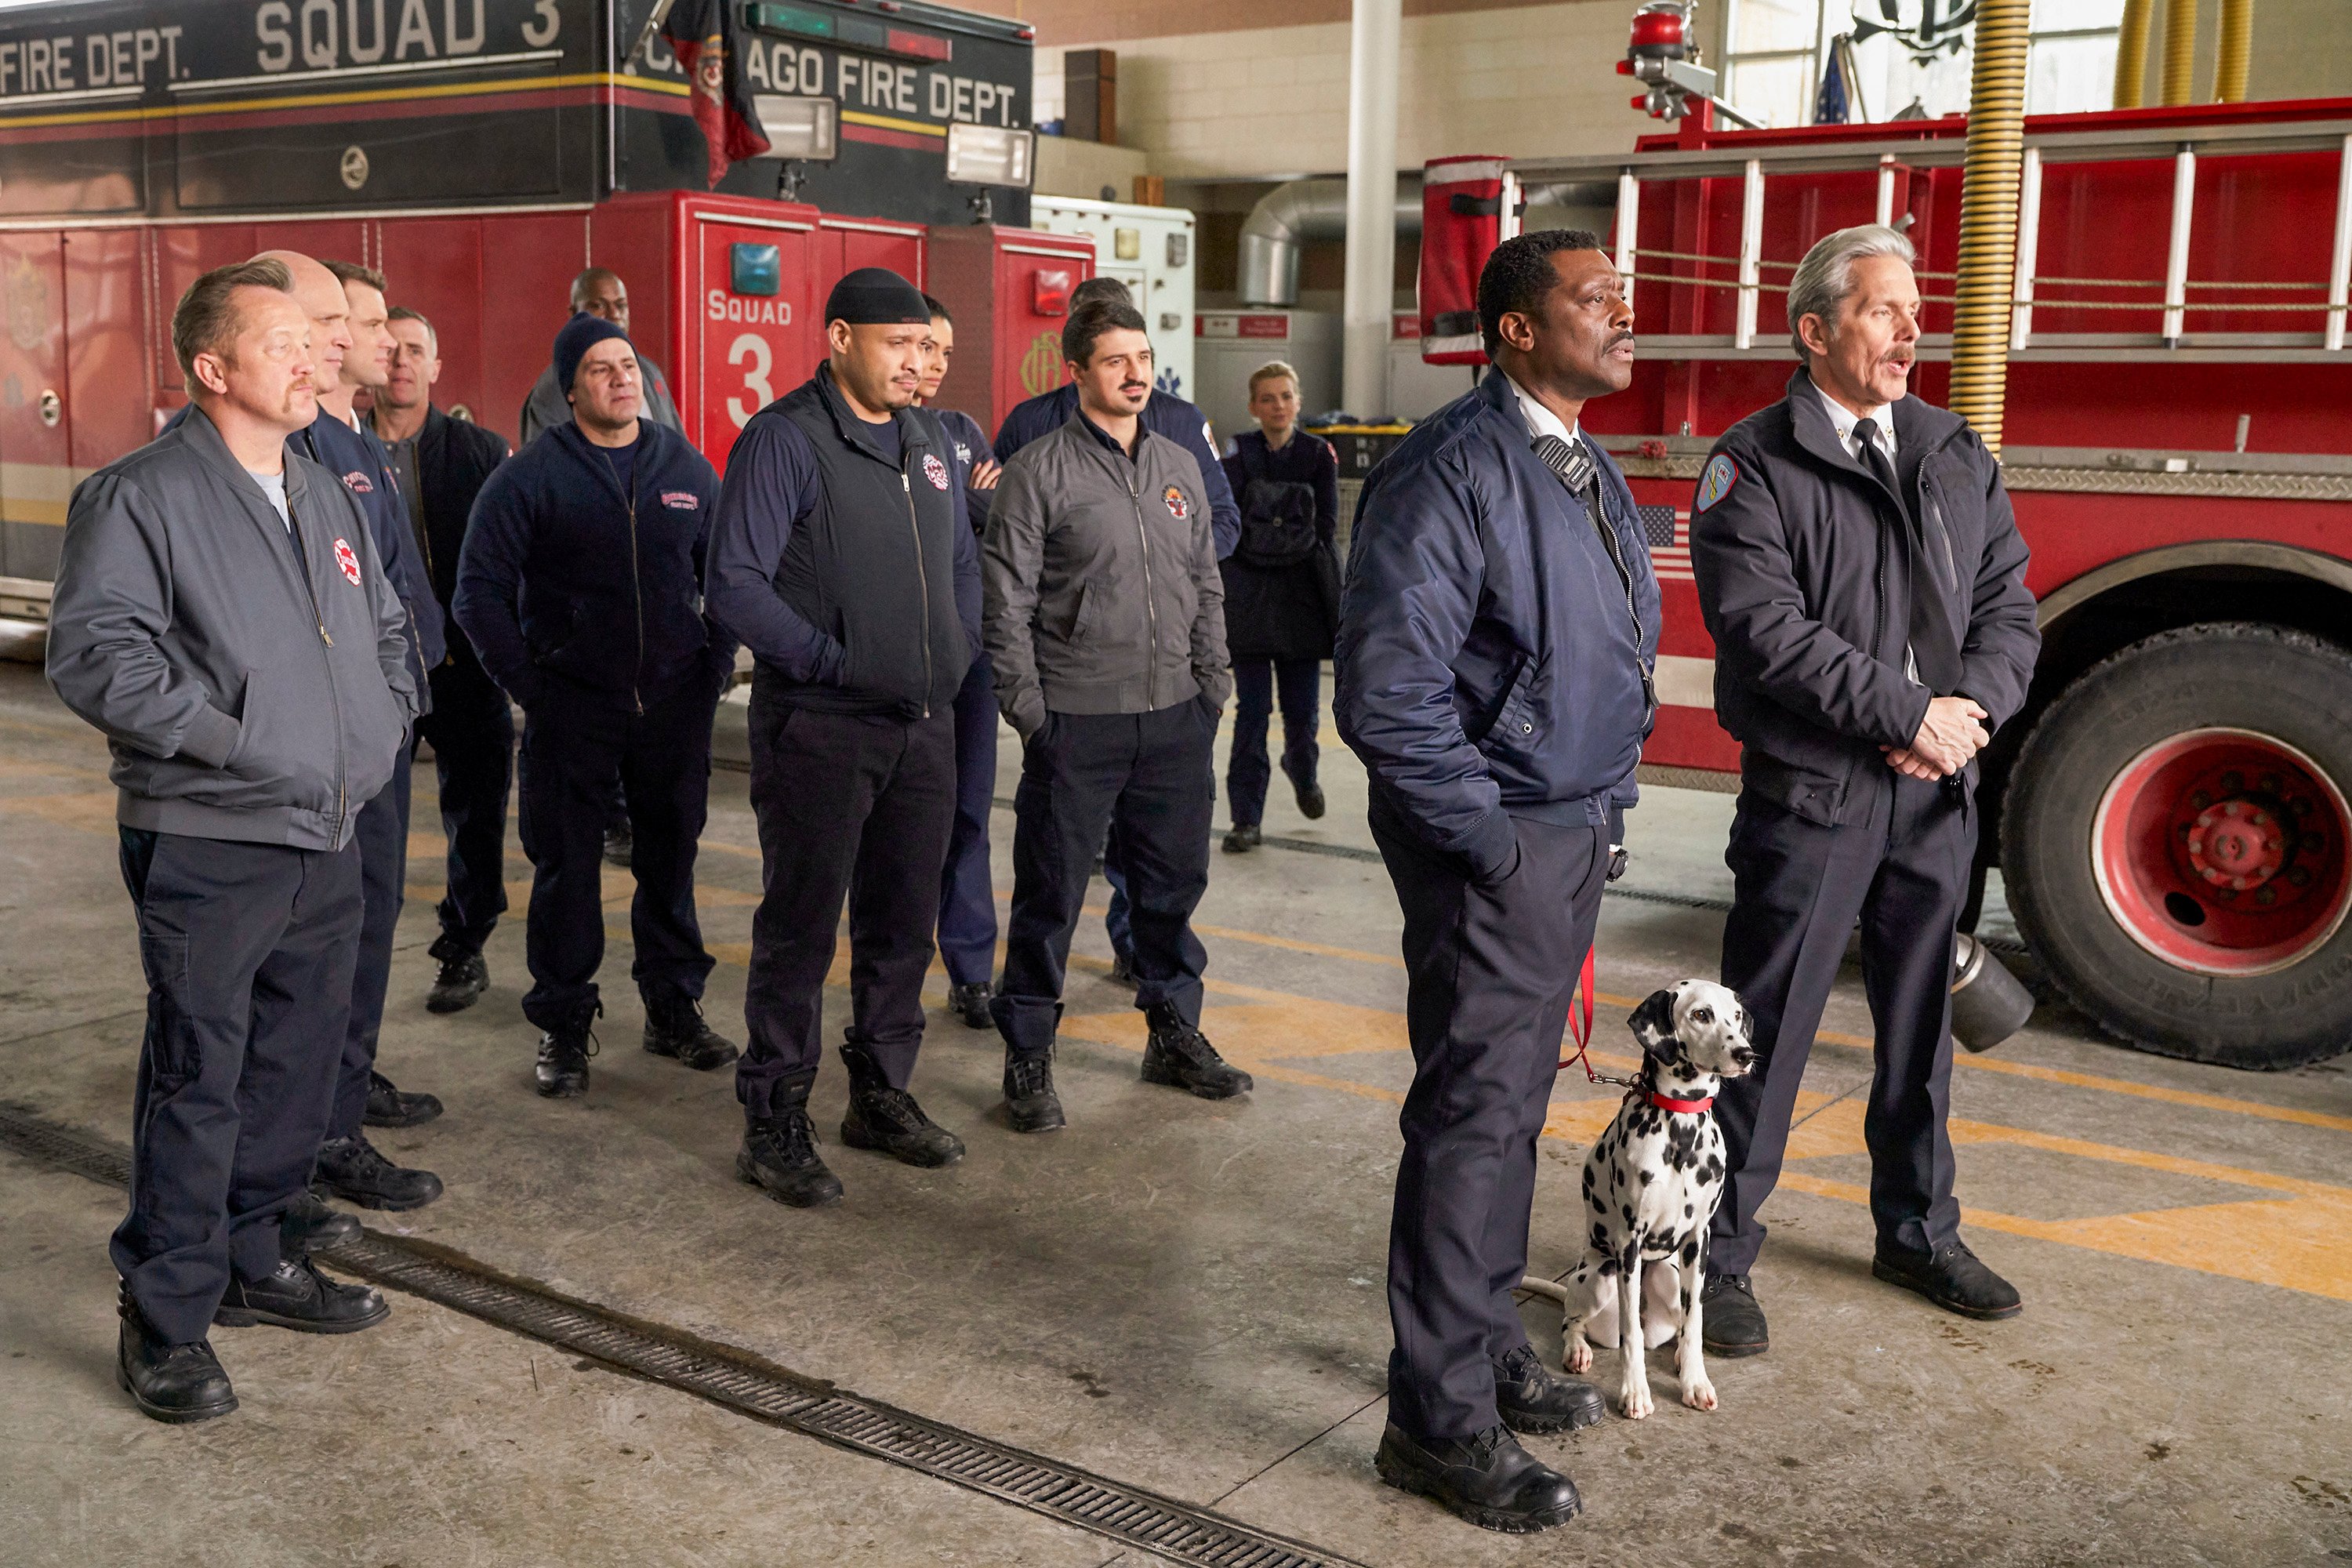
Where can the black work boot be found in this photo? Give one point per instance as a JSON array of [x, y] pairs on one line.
[[563, 1053], [620, 844], [1532, 1398], [353, 1170], [779, 1153], [887, 1119], [1030, 1103], [1122, 970], [1180, 1056], [1310, 800], [464, 978], [1733, 1319], [1489, 1480], [390, 1107], [170, 1383], [1953, 1277], [971, 1004], [1244, 838], [675, 1027], [309, 1224], [297, 1296]]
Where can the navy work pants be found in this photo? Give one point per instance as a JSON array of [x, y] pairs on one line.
[[1146, 776], [1797, 888], [382, 837], [967, 891], [248, 950], [473, 738], [574, 746], [1489, 974], [855, 806], [1247, 772]]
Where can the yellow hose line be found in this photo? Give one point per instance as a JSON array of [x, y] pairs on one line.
[[1987, 269], [2236, 53], [2131, 55], [2179, 52]]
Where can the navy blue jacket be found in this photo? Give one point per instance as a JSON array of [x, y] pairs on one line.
[[1807, 567], [1164, 414], [1488, 664], [972, 449], [359, 459], [775, 556], [564, 576]]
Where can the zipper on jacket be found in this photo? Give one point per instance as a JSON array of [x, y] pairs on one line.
[[1625, 581], [922, 584], [334, 693], [637, 583], [1150, 609]]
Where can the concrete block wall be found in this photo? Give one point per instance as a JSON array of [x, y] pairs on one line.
[[1519, 80]]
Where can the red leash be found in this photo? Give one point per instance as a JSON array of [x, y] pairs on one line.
[[1580, 1022]]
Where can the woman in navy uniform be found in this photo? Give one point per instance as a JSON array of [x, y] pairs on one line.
[[1282, 597]]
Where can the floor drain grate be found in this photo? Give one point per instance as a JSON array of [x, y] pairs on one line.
[[1162, 1526]]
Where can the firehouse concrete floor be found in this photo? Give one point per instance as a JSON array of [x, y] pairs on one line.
[[1179, 1295]]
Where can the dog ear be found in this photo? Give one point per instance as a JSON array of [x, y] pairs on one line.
[[1652, 1022]]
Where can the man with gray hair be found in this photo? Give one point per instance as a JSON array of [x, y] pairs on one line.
[[1863, 577]]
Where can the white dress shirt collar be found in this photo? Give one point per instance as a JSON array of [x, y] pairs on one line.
[[1845, 419], [1542, 421]]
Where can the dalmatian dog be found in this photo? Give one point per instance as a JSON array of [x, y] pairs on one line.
[[1651, 1184]]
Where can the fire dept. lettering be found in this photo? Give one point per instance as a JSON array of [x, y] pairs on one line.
[[726, 306], [683, 501], [358, 483]]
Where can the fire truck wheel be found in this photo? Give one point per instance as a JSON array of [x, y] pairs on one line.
[[2178, 848]]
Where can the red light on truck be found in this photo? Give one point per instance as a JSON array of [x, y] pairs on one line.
[[921, 45], [1657, 30], [1049, 292]]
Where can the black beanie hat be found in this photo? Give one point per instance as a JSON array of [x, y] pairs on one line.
[[581, 333], [874, 295]]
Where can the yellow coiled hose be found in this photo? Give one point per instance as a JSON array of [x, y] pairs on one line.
[[2131, 55], [1987, 268], [2179, 52], [2237, 51]]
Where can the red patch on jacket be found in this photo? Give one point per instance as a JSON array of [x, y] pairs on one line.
[[1177, 507], [935, 471], [683, 501], [348, 559], [358, 484]]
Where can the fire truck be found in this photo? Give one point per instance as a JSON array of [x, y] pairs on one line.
[[2169, 813], [480, 152]]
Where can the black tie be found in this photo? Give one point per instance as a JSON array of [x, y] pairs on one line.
[[1934, 639]]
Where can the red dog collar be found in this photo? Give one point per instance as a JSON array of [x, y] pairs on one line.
[[1681, 1106]]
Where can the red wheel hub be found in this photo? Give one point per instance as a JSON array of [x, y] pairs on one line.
[[2224, 852]]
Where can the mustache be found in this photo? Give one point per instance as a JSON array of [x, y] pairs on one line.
[[1623, 337]]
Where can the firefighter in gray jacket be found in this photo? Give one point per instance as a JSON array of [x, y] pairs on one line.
[[1105, 621], [221, 613]]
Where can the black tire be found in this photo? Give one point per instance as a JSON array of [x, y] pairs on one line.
[[2287, 685]]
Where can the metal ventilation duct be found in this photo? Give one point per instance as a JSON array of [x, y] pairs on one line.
[[1289, 215]]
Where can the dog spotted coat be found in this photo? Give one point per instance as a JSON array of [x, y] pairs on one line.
[[1651, 1184]]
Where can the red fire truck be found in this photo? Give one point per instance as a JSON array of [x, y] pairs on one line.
[[480, 152], [2170, 814]]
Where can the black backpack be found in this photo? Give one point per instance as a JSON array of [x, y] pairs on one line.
[[1277, 518]]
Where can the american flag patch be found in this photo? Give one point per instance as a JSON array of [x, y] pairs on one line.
[[1667, 532]]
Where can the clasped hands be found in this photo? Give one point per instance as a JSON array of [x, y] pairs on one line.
[[1950, 736]]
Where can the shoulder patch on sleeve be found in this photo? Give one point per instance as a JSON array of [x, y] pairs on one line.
[[1716, 483]]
